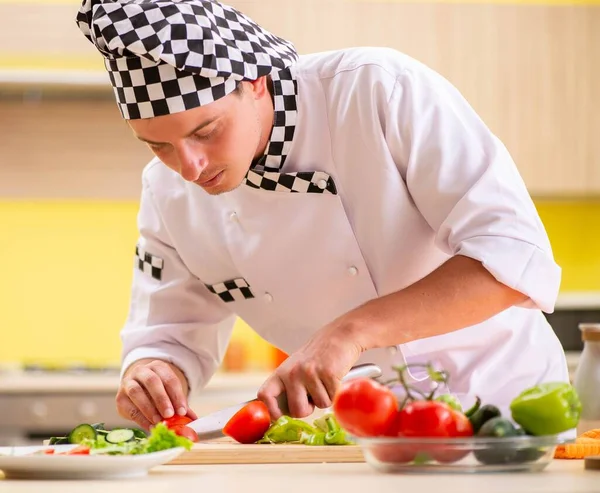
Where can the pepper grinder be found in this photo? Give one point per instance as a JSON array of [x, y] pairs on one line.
[[587, 378]]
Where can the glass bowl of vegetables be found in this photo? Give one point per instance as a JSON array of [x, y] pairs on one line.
[[465, 455], [426, 432]]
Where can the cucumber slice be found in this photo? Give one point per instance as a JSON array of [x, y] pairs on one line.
[[102, 432], [98, 426], [81, 432], [120, 436]]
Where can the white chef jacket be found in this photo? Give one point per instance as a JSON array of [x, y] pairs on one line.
[[409, 176]]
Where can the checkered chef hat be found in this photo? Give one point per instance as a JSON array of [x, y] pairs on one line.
[[167, 56]]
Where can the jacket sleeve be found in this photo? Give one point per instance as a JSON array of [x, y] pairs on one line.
[[467, 187], [172, 315]]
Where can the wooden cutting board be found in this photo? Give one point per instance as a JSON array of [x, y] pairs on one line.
[[229, 452]]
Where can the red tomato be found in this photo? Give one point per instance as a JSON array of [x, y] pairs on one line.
[[177, 420], [435, 419], [432, 419], [250, 423], [185, 431], [364, 407], [394, 453], [49, 451]]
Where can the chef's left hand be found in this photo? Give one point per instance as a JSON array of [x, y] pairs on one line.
[[315, 370]]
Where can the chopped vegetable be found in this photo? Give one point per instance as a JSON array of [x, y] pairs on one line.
[[547, 409], [287, 430], [177, 420], [161, 438], [124, 441], [120, 436], [324, 431], [81, 433]]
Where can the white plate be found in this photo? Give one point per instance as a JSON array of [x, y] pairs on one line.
[[16, 463]]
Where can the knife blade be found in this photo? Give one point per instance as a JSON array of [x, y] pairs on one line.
[[210, 426]]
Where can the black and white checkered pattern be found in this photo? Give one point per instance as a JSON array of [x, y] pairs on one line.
[[233, 290], [166, 56], [285, 93], [296, 182], [148, 263]]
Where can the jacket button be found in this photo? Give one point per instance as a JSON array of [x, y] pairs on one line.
[[322, 184], [352, 271], [233, 216], [268, 297]]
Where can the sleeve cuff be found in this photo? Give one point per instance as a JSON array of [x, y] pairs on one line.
[[177, 355], [521, 266]]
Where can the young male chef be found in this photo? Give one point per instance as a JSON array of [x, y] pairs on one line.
[[350, 206]]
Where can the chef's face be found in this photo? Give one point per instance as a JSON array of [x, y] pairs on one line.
[[213, 145]]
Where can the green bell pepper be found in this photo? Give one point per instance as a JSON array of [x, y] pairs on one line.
[[326, 431], [547, 409], [287, 429], [334, 434]]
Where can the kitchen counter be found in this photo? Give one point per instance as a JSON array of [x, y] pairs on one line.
[[16, 382], [558, 477]]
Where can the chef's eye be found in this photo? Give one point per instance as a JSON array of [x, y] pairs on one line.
[[156, 147], [207, 134]]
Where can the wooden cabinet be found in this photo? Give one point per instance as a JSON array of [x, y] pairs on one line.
[[69, 149], [531, 71]]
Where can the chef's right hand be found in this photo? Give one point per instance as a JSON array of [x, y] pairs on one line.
[[152, 390]]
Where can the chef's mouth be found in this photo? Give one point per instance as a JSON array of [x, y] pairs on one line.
[[212, 180]]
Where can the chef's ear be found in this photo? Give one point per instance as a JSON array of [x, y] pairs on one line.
[[259, 87]]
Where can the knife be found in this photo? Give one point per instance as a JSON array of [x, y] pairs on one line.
[[211, 425]]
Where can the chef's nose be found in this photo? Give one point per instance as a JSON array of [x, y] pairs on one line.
[[192, 162]]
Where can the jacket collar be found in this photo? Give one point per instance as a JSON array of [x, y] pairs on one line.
[[285, 92]]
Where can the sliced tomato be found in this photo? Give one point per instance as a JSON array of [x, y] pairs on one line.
[[185, 431], [250, 423], [364, 407], [49, 451], [177, 420], [79, 450]]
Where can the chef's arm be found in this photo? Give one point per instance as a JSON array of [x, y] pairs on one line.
[[466, 186], [176, 330], [458, 294]]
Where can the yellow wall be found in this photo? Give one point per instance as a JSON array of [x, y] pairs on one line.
[[66, 269]]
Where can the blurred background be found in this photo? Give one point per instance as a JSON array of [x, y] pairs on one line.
[[70, 178]]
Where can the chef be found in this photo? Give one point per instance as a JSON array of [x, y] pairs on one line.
[[350, 206]]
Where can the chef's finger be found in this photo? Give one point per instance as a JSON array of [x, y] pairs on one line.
[[151, 382], [317, 391], [297, 397], [331, 383], [173, 387], [268, 393], [140, 399], [191, 414], [128, 410]]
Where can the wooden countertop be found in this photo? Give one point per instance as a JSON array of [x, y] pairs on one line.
[[558, 477]]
